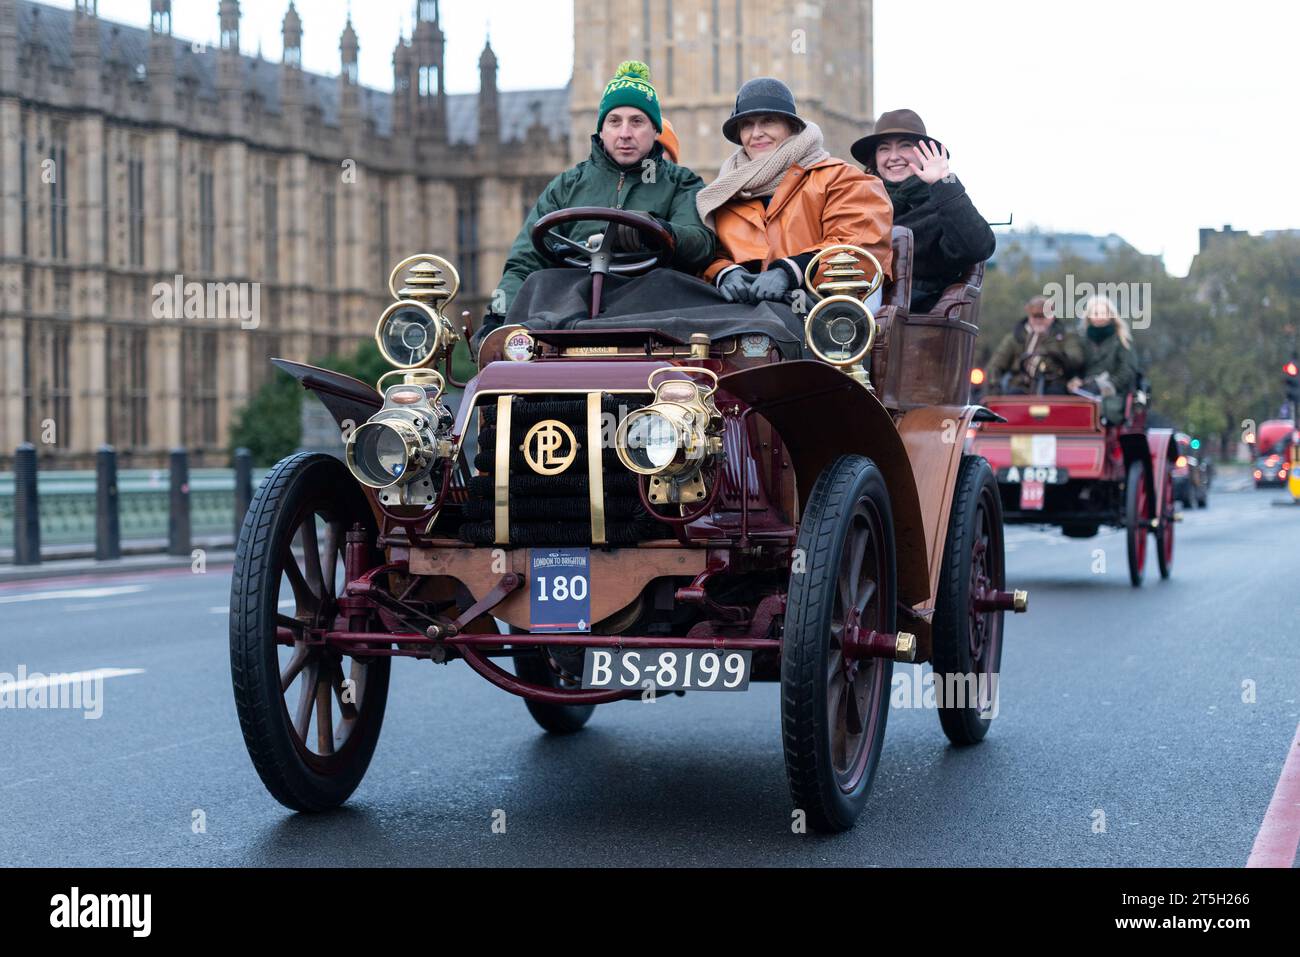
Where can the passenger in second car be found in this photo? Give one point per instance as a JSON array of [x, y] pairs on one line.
[[781, 197], [1110, 367]]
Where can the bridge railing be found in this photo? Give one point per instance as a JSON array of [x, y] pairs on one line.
[[106, 509]]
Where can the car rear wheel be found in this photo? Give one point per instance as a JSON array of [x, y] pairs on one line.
[[310, 716], [968, 641], [1165, 533], [833, 708], [1137, 521]]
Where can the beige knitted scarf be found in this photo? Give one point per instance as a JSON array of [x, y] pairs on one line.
[[746, 178]]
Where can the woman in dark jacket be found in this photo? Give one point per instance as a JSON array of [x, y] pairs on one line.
[[949, 234]]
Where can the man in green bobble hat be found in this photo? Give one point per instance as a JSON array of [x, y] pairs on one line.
[[627, 169]]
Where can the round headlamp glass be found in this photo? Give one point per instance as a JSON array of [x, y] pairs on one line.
[[840, 330], [380, 454], [409, 334], [652, 442]]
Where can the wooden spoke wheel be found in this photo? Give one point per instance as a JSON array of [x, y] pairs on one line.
[[967, 637], [834, 707], [1137, 521], [311, 715]]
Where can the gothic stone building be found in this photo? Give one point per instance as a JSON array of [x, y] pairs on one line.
[[130, 157], [701, 51]]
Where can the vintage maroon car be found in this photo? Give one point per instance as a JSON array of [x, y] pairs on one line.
[[643, 489], [1058, 463]]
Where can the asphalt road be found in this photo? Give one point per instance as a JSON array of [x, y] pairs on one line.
[[1123, 737]]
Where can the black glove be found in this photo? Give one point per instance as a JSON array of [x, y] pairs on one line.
[[735, 286], [627, 239], [490, 321], [772, 285]]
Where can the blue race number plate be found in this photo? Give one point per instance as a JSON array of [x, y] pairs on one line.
[[559, 584]]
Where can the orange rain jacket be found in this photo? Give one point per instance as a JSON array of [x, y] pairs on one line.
[[830, 202]]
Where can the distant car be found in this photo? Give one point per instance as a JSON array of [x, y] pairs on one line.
[[1191, 474], [1059, 464], [1271, 469], [1272, 465]]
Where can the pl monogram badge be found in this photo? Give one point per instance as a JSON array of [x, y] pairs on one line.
[[550, 447]]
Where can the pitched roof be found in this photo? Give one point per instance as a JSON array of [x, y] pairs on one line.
[[518, 109]]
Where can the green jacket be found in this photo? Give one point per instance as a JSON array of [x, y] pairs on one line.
[[664, 190], [1009, 360], [1119, 363]]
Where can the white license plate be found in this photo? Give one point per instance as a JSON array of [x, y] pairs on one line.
[[1046, 474], [666, 669]]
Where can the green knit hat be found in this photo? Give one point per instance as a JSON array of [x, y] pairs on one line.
[[631, 87]]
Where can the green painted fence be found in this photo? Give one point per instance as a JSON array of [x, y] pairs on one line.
[[68, 504]]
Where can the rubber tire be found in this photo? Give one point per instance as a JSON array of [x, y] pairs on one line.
[[806, 642], [553, 718], [951, 630], [254, 666], [1166, 568], [1135, 479]]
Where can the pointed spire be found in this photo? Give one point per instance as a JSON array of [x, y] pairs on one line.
[[292, 31], [160, 17], [228, 11], [348, 47], [489, 111]]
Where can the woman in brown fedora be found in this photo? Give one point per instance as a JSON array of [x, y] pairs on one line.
[[781, 197], [949, 234]]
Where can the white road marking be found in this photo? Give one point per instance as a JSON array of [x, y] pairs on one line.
[[75, 677], [225, 609], [73, 593]]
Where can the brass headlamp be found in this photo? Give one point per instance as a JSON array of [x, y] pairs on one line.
[[413, 331], [673, 437], [840, 329], [398, 447]]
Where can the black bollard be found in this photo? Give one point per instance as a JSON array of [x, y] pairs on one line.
[[27, 509], [178, 511], [108, 529], [243, 486]]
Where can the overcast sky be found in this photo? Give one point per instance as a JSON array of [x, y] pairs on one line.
[[1146, 118]]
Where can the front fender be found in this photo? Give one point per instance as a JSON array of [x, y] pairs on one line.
[[821, 414], [349, 400]]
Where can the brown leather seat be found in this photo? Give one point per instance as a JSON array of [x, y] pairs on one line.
[[925, 359]]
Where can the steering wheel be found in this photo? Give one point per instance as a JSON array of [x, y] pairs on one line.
[[602, 260]]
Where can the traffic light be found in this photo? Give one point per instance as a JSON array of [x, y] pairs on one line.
[[1291, 381]]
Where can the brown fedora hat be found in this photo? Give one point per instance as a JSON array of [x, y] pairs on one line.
[[891, 123]]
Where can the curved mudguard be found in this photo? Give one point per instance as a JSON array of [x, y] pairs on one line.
[[348, 399], [1163, 451], [820, 414]]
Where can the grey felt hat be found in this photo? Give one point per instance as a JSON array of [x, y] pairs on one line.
[[764, 94]]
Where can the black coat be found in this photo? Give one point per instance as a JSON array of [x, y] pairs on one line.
[[949, 235]]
